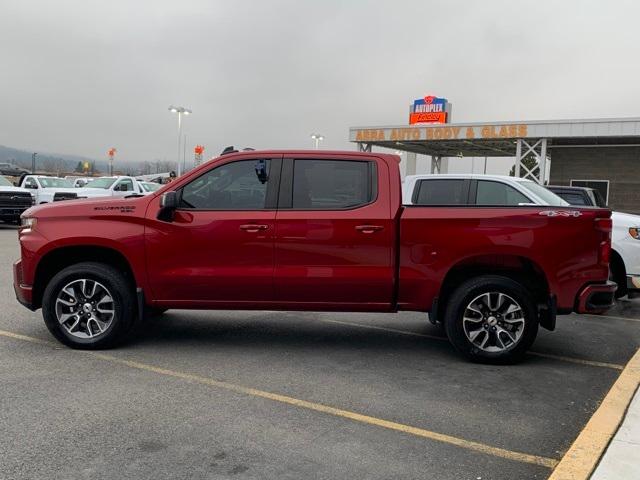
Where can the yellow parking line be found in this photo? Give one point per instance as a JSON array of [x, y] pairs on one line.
[[580, 361], [318, 407], [591, 363], [612, 317], [583, 456]]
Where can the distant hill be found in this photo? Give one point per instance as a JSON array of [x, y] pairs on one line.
[[63, 163], [47, 161]]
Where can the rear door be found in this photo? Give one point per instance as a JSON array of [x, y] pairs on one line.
[[334, 234]]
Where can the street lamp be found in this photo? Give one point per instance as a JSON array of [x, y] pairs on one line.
[[180, 111], [317, 138], [33, 163]]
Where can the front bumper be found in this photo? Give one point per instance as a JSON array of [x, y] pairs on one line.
[[12, 212], [24, 293], [596, 298]]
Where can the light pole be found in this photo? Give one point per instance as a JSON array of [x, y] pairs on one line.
[[317, 138], [180, 111], [33, 163]]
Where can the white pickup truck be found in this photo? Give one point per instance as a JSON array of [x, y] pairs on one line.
[[121, 186], [499, 190], [52, 189]]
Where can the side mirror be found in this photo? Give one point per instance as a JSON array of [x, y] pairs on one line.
[[168, 205]]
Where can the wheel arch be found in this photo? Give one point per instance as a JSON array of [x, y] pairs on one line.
[[519, 268], [57, 259], [620, 272]]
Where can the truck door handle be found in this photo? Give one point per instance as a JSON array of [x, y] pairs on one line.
[[369, 228], [252, 227]]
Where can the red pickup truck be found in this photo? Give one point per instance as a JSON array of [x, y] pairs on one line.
[[300, 230]]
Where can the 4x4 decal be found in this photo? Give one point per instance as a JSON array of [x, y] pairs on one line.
[[561, 213]]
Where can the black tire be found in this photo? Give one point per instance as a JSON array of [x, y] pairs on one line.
[[124, 304], [470, 290], [617, 274]]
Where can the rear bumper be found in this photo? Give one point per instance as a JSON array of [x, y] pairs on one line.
[[24, 293], [597, 298]]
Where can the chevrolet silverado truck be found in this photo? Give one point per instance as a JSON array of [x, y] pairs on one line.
[[13, 201], [319, 231]]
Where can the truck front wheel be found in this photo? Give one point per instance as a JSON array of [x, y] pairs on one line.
[[491, 319], [89, 306]]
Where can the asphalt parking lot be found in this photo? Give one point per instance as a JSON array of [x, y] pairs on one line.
[[204, 395]]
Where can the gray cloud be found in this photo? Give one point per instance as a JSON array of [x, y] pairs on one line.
[[82, 76]]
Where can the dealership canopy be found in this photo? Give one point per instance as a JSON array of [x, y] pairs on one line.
[[499, 139]]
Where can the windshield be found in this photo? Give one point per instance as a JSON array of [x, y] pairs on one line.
[[5, 183], [53, 182], [150, 187], [547, 196], [103, 182]]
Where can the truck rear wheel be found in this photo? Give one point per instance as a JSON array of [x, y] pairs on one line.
[[89, 306], [491, 319]]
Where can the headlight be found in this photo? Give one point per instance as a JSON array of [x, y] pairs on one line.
[[27, 223], [635, 232]]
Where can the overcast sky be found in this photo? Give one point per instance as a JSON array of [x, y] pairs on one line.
[[82, 76]]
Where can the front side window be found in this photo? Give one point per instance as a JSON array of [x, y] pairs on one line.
[[332, 184], [442, 192], [240, 185], [547, 196], [496, 193]]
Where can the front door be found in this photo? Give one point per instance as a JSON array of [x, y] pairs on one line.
[[219, 247]]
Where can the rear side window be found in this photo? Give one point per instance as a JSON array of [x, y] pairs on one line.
[[496, 193], [573, 198], [442, 192], [333, 184]]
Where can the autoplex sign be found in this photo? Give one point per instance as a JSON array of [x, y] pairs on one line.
[[429, 109], [442, 133]]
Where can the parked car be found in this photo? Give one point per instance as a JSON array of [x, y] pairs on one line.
[[11, 170], [318, 230], [13, 201], [625, 257]]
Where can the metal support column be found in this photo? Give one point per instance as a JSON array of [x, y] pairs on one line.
[[518, 156], [411, 163], [538, 150]]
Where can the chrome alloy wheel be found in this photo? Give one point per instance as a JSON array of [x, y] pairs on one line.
[[493, 322], [85, 308]]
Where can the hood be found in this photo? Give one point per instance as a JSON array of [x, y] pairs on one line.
[[91, 207], [625, 219], [58, 189], [15, 189], [92, 192]]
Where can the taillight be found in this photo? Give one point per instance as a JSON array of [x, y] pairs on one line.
[[604, 254], [604, 226]]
